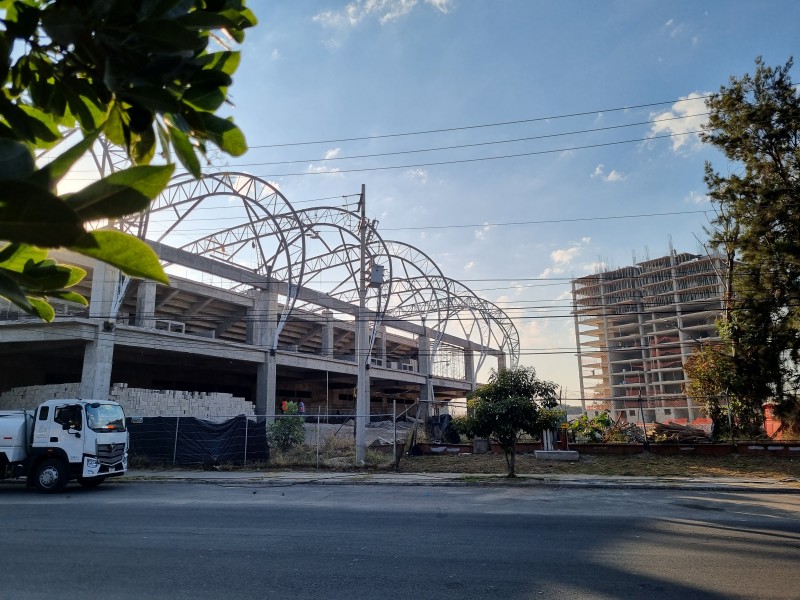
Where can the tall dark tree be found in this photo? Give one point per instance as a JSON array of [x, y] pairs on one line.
[[755, 122]]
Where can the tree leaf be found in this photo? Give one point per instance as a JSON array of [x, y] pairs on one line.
[[126, 252], [33, 215], [185, 151], [52, 173], [42, 309], [16, 160], [121, 193], [15, 256], [68, 296], [223, 133], [11, 290], [227, 61]]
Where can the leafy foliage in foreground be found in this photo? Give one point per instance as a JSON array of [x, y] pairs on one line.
[[140, 74]]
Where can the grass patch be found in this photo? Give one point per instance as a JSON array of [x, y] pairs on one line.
[[642, 465]]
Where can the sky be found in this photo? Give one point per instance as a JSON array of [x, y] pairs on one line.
[[566, 131]]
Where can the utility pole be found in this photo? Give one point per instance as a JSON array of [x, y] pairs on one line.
[[362, 353]]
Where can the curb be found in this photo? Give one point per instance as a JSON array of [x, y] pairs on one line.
[[769, 487]]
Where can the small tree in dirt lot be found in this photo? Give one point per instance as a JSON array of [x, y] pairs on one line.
[[288, 430], [508, 406]]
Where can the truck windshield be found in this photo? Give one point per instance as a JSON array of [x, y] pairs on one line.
[[105, 417]]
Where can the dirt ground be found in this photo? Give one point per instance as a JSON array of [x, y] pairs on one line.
[[735, 465]]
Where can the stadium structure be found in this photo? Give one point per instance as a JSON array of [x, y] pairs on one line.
[[267, 302]]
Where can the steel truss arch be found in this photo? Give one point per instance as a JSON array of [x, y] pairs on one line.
[[268, 238]]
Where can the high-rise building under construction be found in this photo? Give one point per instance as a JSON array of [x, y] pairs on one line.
[[636, 326]]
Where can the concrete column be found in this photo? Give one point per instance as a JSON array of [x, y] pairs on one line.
[[426, 395], [98, 356], [501, 361], [146, 304], [262, 327], [327, 333], [469, 367], [382, 345], [98, 359], [104, 285]]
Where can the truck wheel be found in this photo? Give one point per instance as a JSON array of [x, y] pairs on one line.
[[91, 482], [51, 476]]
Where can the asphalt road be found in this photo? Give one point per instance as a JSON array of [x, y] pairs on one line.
[[183, 540]]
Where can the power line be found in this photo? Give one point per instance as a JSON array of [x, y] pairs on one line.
[[479, 159], [462, 146], [546, 221], [480, 126]]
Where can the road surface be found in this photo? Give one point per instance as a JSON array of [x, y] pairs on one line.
[[238, 541]]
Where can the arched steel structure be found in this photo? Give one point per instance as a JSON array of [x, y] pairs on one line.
[[268, 235], [315, 248]]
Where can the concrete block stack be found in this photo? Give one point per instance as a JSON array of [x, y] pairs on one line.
[[28, 398], [138, 402]]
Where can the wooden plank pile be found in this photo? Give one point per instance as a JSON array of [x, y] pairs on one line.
[[684, 434]]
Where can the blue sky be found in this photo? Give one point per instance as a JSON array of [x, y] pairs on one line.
[[314, 71]]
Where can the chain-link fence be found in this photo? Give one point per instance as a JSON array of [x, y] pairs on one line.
[[320, 441]]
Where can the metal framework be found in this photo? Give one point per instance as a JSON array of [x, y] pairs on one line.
[[315, 248]]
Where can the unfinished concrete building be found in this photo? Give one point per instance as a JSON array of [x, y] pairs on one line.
[[267, 302], [636, 326]]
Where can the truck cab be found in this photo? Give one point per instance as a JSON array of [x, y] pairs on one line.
[[62, 440]]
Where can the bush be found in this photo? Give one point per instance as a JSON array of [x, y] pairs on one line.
[[464, 425], [288, 430], [592, 429]]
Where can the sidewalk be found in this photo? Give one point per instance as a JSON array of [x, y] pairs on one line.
[[283, 478]]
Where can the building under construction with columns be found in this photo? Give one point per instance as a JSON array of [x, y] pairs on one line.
[[267, 302], [636, 326]]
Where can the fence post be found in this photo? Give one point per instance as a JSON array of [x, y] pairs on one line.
[[246, 423], [175, 446], [394, 435], [318, 437]]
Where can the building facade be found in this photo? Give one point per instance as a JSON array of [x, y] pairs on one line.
[[636, 326]]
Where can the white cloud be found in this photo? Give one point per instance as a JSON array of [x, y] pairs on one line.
[[595, 267], [333, 153], [384, 10], [612, 177], [276, 54], [565, 256], [315, 169], [549, 271], [469, 265], [684, 120], [419, 174], [480, 234], [696, 197], [562, 258], [674, 29]]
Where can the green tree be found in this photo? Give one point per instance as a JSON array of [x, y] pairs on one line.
[[711, 374], [288, 430], [143, 75], [755, 122], [508, 406]]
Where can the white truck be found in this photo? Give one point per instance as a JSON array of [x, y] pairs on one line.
[[62, 440]]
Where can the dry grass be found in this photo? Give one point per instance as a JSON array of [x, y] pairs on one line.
[[645, 465]]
